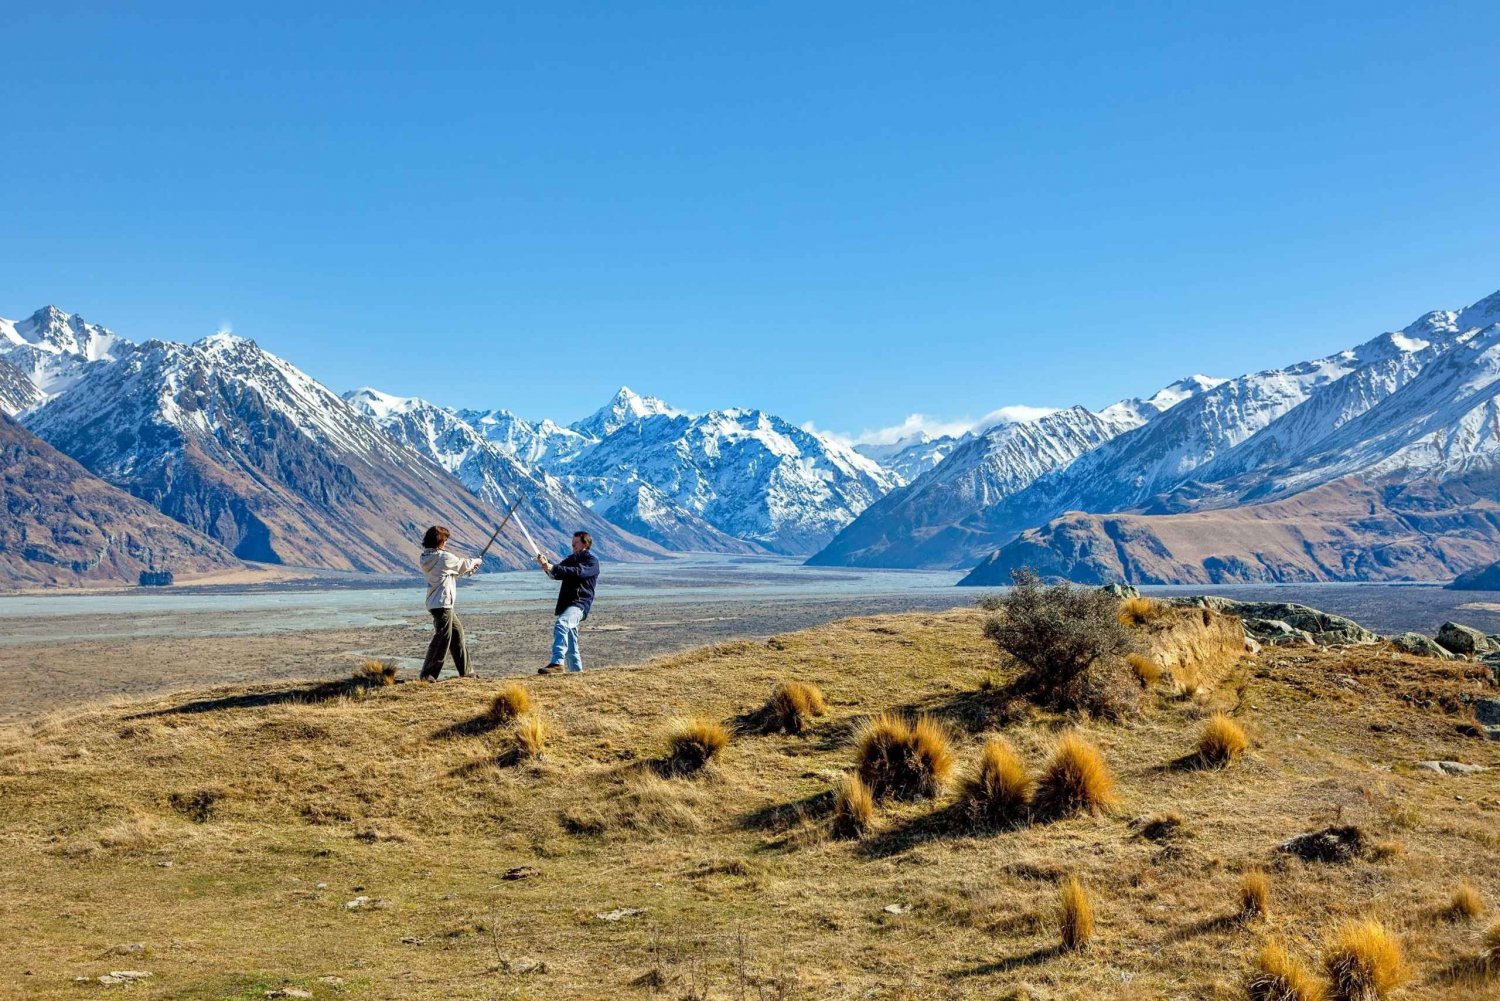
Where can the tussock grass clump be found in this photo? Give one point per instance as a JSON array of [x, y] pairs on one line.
[[998, 794], [901, 760], [1279, 976], [693, 743], [1147, 671], [1076, 780], [792, 705], [1221, 742], [853, 808], [511, 702], [1075, 915], [1364, 962], [1140, 611], [374, 673], [1069, 642], [1466, 904], [1492, 945], [1254, 895], [532, 735]]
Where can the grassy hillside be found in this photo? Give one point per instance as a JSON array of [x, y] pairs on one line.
[[247, 840]]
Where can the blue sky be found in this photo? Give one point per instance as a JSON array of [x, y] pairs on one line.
[[842, 213]]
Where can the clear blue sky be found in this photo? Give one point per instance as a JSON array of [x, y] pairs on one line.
[[842, 213]]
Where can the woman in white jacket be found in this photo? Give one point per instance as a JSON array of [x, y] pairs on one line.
[[442, 570]]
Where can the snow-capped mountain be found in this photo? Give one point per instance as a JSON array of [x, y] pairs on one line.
[[63, 525], [912, 456], [1377, 462], [744, 474], [548, 508], [543, 443], [940, 519], [52, 348], [244, 447]]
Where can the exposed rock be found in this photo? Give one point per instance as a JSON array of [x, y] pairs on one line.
[[620, 913], [1332, 844], [289, 992], [1451, 767], [897, 908], [1463, 640], [123, 977], [1275, 632], [522, 872], [1487, 711], [1420, 646], [523, 965], [1122, 591]]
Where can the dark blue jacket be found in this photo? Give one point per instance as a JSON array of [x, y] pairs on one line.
[[578, 574]]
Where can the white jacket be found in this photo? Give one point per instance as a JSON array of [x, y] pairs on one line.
[[442, 570]]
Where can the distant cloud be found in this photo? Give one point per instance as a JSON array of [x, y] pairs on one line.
[[917, 425], [225, 327]]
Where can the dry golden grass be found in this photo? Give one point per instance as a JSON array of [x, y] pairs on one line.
[[319, 796], [1075, 915], [897, 759], [853, 808], [1254, 895], [1492, 943], [1147, 671], [1076, 780], [1466, 904], [1142, 611], [510, 702], [375, 673], [792, 705], [1364, 962], [998, 794], [1221, 741], [532, 734], [1279, 976], [693, 743]]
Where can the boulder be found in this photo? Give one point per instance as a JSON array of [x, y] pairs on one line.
[[1275, 632], [1121, 591], [1420, 646], [1322, 628], [1450, 767], [1487, 711], [1463, 640]]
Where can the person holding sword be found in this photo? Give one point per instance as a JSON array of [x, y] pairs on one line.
[[579, 574], [442, 570]]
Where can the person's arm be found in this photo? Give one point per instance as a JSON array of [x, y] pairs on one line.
[[473, 567], [575, 568]]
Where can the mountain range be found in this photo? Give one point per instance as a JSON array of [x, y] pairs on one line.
[[1379, 462]]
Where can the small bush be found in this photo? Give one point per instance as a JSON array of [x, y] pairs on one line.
[[199, 805], [1221, 742], [1076, 780], [1364, 962], [1075, 918], [511, 702], [1140, 611], [792, 705], [1146, 670], [375, 673], [531, 736], [998, 794], [853, 808], [693, 743], [1280, 977], [901, 760], [1466, 904], [1061, 636], [1255, 895]]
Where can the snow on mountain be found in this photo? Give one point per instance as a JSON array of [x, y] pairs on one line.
[[1136, 411], [1378, 462], [548, 508], [52, 348], [243, 446], [911, 457], [730, 479], [543, 443], [17, 391]]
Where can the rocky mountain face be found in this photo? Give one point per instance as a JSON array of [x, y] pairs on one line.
[[242, 446], [62, 525], [944, 518], [17, 391], [1376, 463], [52, 348], [737, 481], [548, 508], [911, 457]]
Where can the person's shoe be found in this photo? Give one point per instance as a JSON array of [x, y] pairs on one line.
[[429, 679], [550, 669]]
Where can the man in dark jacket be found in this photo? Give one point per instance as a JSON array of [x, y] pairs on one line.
[[578, 573]]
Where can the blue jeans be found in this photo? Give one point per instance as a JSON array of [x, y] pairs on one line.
[[565, 639]]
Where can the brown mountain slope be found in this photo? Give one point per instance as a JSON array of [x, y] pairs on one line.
[[63, 525], [1344, 531]]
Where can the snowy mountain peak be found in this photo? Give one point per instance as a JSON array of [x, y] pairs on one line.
[[51, 347], [1138, 411], [380, 405], [625, 407]]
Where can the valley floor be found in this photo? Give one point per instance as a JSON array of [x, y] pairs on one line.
[[247, 839]]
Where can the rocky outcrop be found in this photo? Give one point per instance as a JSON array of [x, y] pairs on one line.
[[1277, 623], [1420, 646], [1465, 641], [1483, 579]]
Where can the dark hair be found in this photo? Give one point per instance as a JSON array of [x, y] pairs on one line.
[[585, 538], [436, 536]]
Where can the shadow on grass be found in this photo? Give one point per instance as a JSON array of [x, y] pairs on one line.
[[1033, 958], [1208, 926], [310, 694], [1469, 971], [510, 757], [785, 816], [476, 727]]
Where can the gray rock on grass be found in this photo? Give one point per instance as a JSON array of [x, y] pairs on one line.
[[1465, 641], [1420, 646]]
